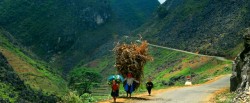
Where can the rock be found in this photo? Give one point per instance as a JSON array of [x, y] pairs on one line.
[[188, 83], [240, 79]]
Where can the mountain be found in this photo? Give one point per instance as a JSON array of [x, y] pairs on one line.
[[240, 71], [17, 90], [26, 79], [67, 32], [41, 40], [206, 26]]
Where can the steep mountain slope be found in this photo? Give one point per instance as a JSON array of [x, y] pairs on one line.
[[33, 72], [66, 32], [17, 90], [206, 26], [130, 14], [168, 68]]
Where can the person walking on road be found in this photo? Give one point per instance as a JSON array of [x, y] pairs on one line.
[[149, 86], [130, 86], [115, 90]]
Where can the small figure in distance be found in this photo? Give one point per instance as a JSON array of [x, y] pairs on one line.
[[149, 86]]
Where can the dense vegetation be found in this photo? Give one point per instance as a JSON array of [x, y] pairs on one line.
[[168, 68], [206, 26], [67, 32], [83, 80], [35, 74], [13, 89], [41, 39]]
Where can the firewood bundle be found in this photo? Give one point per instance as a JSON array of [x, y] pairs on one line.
[[131, 58]]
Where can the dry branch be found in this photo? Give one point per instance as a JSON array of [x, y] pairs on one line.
[[132, 58]]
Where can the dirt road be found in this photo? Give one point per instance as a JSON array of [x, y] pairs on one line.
[[193, 94], [183, 51], [190, 94]]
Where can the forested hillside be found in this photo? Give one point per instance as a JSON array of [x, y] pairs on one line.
[[205, 26], [67, 32]]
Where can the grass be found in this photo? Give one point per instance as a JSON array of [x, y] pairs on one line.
[[35, 73], [5, 92], [235, 51], [167, 64], [224, 97]]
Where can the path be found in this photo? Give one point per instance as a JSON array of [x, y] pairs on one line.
[[190, 94], [193, 94], [217, 57]]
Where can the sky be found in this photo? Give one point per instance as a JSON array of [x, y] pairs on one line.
[[161, 1]]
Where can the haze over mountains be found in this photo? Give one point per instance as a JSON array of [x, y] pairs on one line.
[[44, 38], [208, 26], [67, 32]]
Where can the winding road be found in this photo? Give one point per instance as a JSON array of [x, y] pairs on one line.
[[217, 57], [192, 94]]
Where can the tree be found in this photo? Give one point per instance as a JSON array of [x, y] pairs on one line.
[[162, 11], [82, 80]]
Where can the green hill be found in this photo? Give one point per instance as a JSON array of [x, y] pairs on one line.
[[43, 41], [32, 72], [67, 32], [168, 68], [17, 90], [207, 26]]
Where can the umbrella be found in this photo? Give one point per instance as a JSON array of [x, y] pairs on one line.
[[117, 78]]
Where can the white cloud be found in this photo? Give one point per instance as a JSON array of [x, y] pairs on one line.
[[161, 1]]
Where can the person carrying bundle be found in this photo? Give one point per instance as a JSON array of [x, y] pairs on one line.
[[129, 86]]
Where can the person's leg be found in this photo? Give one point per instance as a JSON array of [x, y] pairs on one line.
[[129, 91], [149, 91], [115, 99]]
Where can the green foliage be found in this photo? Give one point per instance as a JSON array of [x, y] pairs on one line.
[[14, 89], [8, 93], [66, 32], [82, 80], [43, 76], [199, 26], [225, 97], [162, 11], [72, 97], [87, 98]]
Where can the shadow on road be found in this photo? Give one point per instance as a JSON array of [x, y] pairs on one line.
[[134, 98]]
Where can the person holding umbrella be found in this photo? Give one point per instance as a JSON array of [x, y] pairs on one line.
[[115, 90], [114, 81]]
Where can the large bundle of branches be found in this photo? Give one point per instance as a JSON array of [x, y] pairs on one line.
[[132, 58]]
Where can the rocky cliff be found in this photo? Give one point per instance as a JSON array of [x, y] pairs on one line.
[[211, 27], [240, 79]]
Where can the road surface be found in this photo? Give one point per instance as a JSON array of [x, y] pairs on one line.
[[217, 57], [193, 94]]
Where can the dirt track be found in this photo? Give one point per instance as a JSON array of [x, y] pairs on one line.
[[191, 94]]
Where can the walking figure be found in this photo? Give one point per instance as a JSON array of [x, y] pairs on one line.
[[129, 86], [115, 90], [149, 86]]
